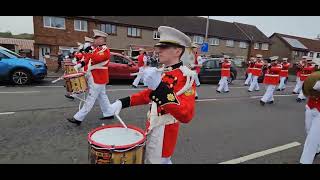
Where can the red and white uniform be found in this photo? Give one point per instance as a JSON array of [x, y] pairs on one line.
[[299, 83], [312, 127], [272, 76], [225, 69], [196, 63], [180, 107], [285, 70], [257, 68], [99, 55], [97, 80], [306, 71], [142, 62], [271, 79], [225, 74]]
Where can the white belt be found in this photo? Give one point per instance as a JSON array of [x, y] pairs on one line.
[[284, 70], [257, 68], [272, 75], [305, 74], [224, 69]]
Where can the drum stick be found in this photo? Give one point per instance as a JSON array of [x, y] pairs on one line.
[[78, 98], [118, 117], [60, 78]]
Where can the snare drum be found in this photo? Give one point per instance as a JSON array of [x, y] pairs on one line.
[[69, 68], [76, 83], [114, 144]]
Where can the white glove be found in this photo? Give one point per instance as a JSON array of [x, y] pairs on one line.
[[152, 77], [87, 44], [117, 106], [77, 67]]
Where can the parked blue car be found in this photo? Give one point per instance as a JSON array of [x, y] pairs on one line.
[[19, 70]]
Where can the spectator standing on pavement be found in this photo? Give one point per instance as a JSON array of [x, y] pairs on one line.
[[60, 59]]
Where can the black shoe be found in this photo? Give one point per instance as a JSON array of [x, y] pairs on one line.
[[226, 91], [317, 154], [198, 85], [282, 89], [134, 86], [299, 100], [218, 91], [270, 102], [262, 103], [246, 84], [294, 93], [69, 97], [279, 90], [108, 117], [249, 91], [196, 97], [73, 120], [256, 90]]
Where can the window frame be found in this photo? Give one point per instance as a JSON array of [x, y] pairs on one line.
[[229, 41], [156, 35], [245, 45], [265, 49], [44, 24], [136, 32], [80, 24], [214, 40]]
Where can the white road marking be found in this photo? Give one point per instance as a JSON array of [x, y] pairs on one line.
[[111, 90], [7, 113], [205, 100], [19, 92], [280, 95], [262, 153], [49, 86]]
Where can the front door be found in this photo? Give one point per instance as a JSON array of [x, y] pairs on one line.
[[42, 51]]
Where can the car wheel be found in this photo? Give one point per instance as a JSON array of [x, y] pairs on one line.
[[20, 77]]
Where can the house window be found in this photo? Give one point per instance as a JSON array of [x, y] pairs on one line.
[[265, 46], [54, 22], [310, 54], [214, 41], [230, 43], [134, 32], [156, 35], [80, 25], [198, 39], [295, 53], [243, 45], [256, 46], [318, 55], [108, 28]]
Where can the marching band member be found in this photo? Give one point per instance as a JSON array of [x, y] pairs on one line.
[[305, 72], [225, 74], [172, 94], [142, 64], [249, 71], [311, 89], [299, 83], [98, 77], [196, 66], [284, 73], [271, 79], [256, 72]]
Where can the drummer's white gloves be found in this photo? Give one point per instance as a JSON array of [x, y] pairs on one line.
[[117, 106], [317, 86], [152, 77], [77, 67], [192, 65]]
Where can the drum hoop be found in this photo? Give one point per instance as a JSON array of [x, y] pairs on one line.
[[128, 146]]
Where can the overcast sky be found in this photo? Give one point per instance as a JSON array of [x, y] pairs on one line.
[[305, 26]]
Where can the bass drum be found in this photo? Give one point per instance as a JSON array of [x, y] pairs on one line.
[[307, 87]]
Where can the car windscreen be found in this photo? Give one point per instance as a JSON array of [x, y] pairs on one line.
[[12, 53]]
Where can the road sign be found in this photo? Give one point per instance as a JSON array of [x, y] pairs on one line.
[[205, 47]]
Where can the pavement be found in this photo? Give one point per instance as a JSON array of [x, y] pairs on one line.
[[227, 128]]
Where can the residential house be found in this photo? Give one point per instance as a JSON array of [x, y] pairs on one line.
[[128, 33]]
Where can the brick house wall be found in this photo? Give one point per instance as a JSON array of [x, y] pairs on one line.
[[281, 49]]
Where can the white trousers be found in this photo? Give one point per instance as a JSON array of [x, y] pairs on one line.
[[282, 84], [254, 84], [154, 145], [196, 79], [298, 86], [268, 95], [248, 80], [301, 95], [312, 143], [138, 78], [223, 84], [96, 91]]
